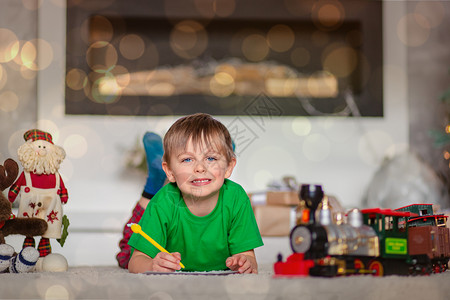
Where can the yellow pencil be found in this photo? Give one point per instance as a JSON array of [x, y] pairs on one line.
[[136, 228]]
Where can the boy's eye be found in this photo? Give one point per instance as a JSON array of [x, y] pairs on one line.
[[186, 160], [210, 158]]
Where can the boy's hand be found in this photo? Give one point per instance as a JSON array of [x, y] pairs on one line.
[[242, 263], [164, 262]]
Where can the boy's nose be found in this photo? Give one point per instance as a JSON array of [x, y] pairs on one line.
[[199, 167]]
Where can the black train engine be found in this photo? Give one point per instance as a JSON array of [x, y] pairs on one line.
[[336, 248]]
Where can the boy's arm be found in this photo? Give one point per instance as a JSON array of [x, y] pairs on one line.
[[244, 262], [163, 262], [140, 263]]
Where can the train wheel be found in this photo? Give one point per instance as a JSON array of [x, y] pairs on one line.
[[358, 264], [437, 268], [376, 267]]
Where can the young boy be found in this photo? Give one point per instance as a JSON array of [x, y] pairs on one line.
[[202, 218]]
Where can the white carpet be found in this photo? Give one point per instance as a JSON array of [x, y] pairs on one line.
[[116, 283]]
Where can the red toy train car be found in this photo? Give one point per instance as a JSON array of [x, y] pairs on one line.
[[408, 240]]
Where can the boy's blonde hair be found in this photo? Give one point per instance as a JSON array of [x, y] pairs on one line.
[[201, 128]]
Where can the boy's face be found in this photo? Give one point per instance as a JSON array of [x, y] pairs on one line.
[[198, 171]]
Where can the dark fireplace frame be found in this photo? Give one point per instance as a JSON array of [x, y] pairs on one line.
[[364, 100]]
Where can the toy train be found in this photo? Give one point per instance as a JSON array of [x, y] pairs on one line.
[[404, 241]]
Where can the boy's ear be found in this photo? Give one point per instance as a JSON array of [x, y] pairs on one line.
[[230, 167], [168, 172]]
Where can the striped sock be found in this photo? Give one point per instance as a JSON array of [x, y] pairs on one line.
[[28, 242], [44, 247]]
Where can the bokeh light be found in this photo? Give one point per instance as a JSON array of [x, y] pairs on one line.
[[76, 146], [320, 85], [224, 8], [131, 46], [432, 11], [222, 84], [101, 56], [160, 295], [26, 73], [9, 101], [56, 291], [58, 111], [327, 14], [188, 39], [108, 85], [76, 79], [163, 88], [103, 29], [300, 57], [446, 155], [44, 54], [339, 60], [221, 8], [9, 46], [104, 89], [280, 87], [299, 8], [227, 68], [82, 33], [28, 55], [32, 4], [301, 126], [113, 82], [262, 177], [58, 3], [316, 147], [255, 48], [121, 77], [280, 38], [51, 127], [413, 30], [15, 141], [330, 15], [205, 8]]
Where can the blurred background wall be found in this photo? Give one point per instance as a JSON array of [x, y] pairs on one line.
[[340, 153]]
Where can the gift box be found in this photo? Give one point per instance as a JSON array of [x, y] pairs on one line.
[[289, 198], [275, 220]]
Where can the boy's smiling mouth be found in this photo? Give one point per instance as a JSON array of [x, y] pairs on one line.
[[201, 181]]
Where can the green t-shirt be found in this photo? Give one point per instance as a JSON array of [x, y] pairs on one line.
[[203, 242]]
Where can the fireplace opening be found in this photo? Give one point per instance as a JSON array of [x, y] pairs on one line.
[[134, 64]]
